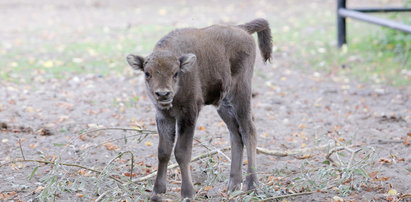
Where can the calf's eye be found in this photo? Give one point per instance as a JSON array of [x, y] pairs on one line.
[[148, 75], [175, 75]]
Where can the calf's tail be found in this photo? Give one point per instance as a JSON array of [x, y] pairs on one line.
[[263, 30]]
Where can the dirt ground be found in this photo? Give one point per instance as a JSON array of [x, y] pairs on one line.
[[293, 108]]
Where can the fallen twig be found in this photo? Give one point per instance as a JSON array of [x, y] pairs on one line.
[[341, 148], [287, 195], [259, 150], [205, 146], [283, 153], [119, 156], [212, 152], [353, 152], [101, 196], [64, 164], [331, 152], [201, 156], [119, 128], [230, 198], [389, 142], [21, 150]]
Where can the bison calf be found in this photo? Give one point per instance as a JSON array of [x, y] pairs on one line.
[[190, 68]]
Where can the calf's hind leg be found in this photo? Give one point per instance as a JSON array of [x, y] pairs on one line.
[[248, 134], [241, 102], [247, 131]]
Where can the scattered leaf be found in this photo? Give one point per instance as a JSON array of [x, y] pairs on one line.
[[48, 64], [385, 161], [201, 128], [392, 192], [148, 143], [341, 139], [92, 125], [136, 127], [406, 141], [29, 109], [207, 188], [110, 146], [130, 174], [348, 181], [38, 189], [44, 132], [148, 170], [373, 174], [338, 199], [382, 179], [305, 156], [7, 195], [83, 137], [162, 12], [82, 172], [63, 118]]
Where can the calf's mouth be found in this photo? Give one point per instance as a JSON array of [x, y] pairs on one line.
[[165, 103]]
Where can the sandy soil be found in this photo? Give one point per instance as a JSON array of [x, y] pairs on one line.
[[292, 108]]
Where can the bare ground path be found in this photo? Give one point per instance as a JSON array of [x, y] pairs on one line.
[[293, 109]]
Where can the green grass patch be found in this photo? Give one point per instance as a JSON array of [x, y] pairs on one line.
[[54, 59], [373, 54]]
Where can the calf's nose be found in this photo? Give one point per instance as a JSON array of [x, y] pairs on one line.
[[163, 94]]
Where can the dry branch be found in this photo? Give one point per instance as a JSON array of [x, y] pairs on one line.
[[341, 148], [259, 150], [64, 164], [175, 165], [120, 128], [279, 153], [285, 196], [21, 150], [219, 151], [282, 153]]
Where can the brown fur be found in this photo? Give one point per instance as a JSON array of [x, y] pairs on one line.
[[191, 67]]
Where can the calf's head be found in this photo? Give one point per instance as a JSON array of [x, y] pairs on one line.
[[162, 71]]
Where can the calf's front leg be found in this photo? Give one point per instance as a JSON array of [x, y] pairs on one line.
[[166, 130], [182, 151]]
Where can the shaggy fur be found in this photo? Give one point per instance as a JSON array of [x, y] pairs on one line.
[[191, 67]]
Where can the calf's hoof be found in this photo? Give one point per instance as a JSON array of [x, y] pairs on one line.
[[187, 193], [160, 188], [234, 184], [187, 200], [156, 198], [251, 182]]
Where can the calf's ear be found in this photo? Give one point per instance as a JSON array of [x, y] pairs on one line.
[[135, 61], [187, 62]]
